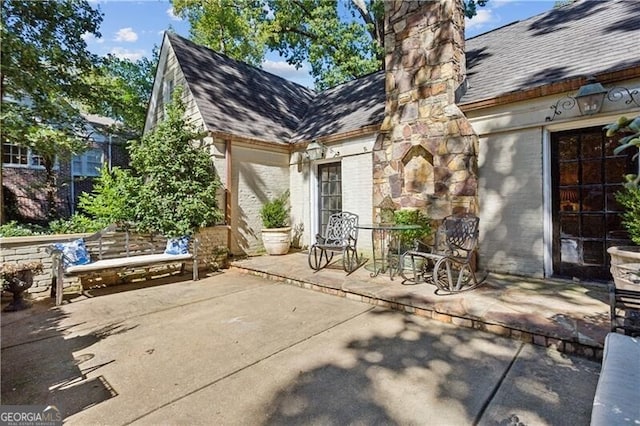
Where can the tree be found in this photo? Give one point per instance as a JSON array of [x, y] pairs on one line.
[[341, 40], [178, 183], [44, 60], [123, 90]]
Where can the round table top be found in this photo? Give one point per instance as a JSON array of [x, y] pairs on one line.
[[389, 226]]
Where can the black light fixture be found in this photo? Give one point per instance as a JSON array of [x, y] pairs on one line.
[[591, 97], [315, 150]]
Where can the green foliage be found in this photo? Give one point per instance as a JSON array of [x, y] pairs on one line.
[[629, 198], [77, 223], [112, 197], [123, 89], [412, 217], [275, 213], [178, 183], [232, 27], [15, 229]]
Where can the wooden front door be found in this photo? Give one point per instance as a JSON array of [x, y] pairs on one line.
[[329, 191], [586, 217]]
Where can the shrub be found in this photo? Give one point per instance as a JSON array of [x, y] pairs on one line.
[[15, 229], [629, 198], [412, 217], [77, 223], [275, 213]]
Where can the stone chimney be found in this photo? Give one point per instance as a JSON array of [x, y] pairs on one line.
[[426, 155]]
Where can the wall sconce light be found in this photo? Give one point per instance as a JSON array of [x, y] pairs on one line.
[[591, 97], [315, 150]]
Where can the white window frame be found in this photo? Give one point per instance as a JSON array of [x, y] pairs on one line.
[[85, 164], [33, 160]]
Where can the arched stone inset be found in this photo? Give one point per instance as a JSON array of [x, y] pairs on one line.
[[418, 171]]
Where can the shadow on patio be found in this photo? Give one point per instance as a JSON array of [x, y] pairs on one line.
[[572, 317]]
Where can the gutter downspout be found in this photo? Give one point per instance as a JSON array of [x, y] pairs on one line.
[[228, 192]]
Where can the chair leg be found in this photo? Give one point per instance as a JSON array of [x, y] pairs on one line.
[[350, 259]]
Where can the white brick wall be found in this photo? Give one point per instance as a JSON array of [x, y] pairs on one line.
[[510, 190], [357, 193]]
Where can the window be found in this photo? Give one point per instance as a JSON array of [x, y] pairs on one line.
[[88, 163], [16, 155], [167, 91]]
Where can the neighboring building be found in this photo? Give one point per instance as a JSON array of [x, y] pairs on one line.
[[541, 179], [23, 175]]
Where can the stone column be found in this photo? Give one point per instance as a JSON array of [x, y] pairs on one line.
[[426, 155]]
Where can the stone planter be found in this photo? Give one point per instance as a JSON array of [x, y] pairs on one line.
[[276, 241], [625, 267], [17, 283]]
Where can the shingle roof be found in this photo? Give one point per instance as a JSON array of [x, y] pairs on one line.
[[580, 39], [237, 98], [584, 38]]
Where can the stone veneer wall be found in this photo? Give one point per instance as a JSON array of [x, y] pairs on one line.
[[212, 254], [426, 157]]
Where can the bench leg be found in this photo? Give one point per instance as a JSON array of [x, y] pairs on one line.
[[195, 270]]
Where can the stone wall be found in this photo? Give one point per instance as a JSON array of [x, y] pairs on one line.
[[212, 254], [426, 157]]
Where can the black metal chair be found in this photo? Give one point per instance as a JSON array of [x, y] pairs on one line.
[[340, 236], [624, 299], [449, 264]]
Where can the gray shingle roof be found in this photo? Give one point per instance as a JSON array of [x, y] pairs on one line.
[[237, 98], [581, 39], [585, 38]]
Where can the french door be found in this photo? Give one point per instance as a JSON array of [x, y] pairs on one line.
[[329, 192], [586, 217]]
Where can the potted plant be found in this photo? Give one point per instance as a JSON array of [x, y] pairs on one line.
[[276, 232], [629, 198], [17, 278]]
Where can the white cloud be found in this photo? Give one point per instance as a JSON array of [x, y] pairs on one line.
[[132, 55], [171, 14], [483, 18], [126, 34], [90, 38], [289, 72]]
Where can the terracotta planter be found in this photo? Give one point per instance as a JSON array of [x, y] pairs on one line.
[[276, 241], [625, 267]]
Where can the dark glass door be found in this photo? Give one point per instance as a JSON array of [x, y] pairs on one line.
[[330, 192], [586, 217]]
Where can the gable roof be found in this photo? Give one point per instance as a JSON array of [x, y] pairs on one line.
[[588, 37], [584, 38], [237, 98]]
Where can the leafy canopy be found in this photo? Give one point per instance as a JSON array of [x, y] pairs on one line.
[[340, 39]]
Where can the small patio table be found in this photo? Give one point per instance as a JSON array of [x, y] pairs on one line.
[[385, 234]]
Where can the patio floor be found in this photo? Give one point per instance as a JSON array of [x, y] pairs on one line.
[[572, 317]]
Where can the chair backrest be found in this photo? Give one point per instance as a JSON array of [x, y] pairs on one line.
[[341, 228], [461, 232]]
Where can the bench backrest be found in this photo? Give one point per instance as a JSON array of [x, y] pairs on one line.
[[342, 229], [112, 244]]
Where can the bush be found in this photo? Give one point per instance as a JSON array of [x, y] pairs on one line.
[[629, 198], [15, 229], [77, 224], [275, 213], [412, 217]]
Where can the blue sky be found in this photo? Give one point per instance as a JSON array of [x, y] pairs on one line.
[[130, 29]]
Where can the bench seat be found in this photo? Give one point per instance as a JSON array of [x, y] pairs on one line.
[[617, 399], [124, 262]]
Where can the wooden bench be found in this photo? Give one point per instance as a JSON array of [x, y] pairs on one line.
[[119, 251]]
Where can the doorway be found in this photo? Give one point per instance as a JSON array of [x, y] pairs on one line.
[[329, 192], [585, 175]]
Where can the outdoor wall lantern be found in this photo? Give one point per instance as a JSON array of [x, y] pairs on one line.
[[591, 97], [315, 150]]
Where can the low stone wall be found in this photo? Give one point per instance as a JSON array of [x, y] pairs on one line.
[[212, 254]]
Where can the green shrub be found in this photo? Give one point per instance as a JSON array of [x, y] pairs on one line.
[[15, 229], [76, 224], [275, 213], [629, 198], [412, 217]]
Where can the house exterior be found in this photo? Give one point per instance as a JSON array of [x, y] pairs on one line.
[[23, 174], [496, 133]]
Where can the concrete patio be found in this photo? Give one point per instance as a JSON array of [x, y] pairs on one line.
[[234, 348], [570, 316]]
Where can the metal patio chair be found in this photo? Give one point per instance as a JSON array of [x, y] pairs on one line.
[[449, 263], [340, 236]]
